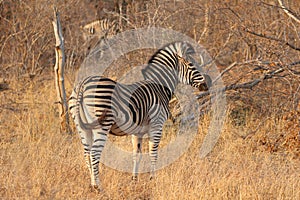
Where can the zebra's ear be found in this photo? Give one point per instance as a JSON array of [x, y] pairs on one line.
[[146, 73], [208, 80], [143, 71], [188, 49]]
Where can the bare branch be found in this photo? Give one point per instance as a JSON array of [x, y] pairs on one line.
[[246, 85], [288, 12], [272, 38], [225, 71], [294, 72], [206, 21]]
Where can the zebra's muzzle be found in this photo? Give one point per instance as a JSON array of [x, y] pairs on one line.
[[207, 84], [203, 87]]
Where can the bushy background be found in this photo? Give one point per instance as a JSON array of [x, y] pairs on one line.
[[257, 156]]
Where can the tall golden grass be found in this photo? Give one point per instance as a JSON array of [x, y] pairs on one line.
[[257, 155], [39, 162]]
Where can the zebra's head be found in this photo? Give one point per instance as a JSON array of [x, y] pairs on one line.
[[170, 65], [188, 74]]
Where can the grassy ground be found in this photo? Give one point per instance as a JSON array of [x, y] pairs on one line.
[[38, 162], [258, 153]]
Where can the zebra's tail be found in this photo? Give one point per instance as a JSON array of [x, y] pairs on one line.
[[79, 111]]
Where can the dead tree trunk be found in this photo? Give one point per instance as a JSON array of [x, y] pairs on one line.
[[59, 74]]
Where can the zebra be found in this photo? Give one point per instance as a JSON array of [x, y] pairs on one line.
[[100, 106], [104, 28], [97, 33]]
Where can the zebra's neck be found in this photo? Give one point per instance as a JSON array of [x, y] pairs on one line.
[[163, 75], [163, 66]]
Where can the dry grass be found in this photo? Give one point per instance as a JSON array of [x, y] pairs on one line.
[[38, 162], [257, 155]]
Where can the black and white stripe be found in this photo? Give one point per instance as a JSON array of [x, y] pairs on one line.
[[104, 28], [100, 105]]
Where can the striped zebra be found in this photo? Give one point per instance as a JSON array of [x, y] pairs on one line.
[[100, 105], [104, 28]]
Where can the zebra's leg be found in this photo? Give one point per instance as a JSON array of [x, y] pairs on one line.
[[155, 136], [137, 155], [99, 139], [86, 140], [87, 159]]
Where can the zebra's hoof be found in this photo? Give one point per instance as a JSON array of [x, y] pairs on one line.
[[95, 188], [134, 178]]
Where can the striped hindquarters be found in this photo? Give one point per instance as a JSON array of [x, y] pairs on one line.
[[90, 102]]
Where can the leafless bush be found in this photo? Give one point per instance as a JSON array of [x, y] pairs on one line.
[[255, 45], [256, 36]]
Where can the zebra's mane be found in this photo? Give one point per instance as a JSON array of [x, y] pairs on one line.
[[183, 49], [162, 65]]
